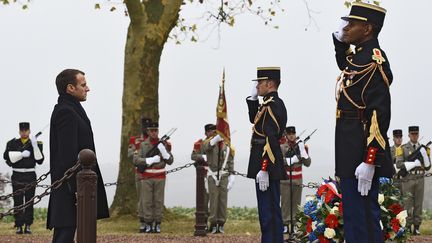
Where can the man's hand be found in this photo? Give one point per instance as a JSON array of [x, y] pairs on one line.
[[254, 91], [163, 151], [364, 173], [152, 160], [25, 154], [215, 140], [338, 34], [262, 179], [303, 152], [204, 156], [231, 179]]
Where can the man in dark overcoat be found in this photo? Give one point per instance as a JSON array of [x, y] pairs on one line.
[[70, 132]]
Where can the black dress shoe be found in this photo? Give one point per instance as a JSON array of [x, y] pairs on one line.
[[19, 230], [416, 230], [27, 229]]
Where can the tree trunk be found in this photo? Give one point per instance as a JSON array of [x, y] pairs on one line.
[[151, 23]]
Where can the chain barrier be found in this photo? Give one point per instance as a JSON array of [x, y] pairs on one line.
[[27, 187], [36, 199]]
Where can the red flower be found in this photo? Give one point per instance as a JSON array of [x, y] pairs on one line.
[[309, 226], [396, 208], [322, 239], [387, 236], [340, 208], [321, 190], [332, 221], [395, 224], [329, 196]]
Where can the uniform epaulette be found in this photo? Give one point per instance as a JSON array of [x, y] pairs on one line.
[[428, 151], [39, 142], [377, 56], [268, 101]]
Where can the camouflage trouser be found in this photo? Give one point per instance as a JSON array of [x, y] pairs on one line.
[[413, 189], [152, 197], [286, 197], [218, 200]]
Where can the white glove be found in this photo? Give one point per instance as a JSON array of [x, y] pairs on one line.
[[152, 160], [204, 156], [426, 158], [262, 179], [25, 154], [364, 173], [411, 165], [338, 34], [215, 140], [254, 91], [36, 151], [303, 152], [292, 160], [163, 151], [231, 179]]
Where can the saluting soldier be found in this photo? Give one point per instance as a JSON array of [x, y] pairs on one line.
[[135, 146], [152, 180], [396, 150], [199, 155], [296, 156], [266, 163], [362, 120], [22, 154], [413, 182], [220, 178]]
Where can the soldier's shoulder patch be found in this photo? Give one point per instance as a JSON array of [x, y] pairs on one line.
[[428, 151], [377, 56], [399, 151]]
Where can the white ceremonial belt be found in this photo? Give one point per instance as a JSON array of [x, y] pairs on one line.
[[155, 170], [214, 175], [23, 169]]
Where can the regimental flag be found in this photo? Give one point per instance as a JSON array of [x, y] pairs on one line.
[[222, 125]]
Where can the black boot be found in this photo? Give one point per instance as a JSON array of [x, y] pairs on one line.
[[416, 230], [221, 229], [148, 228], [213, 228], [19, 230], [157, 228], [408, 229], [27, 229]]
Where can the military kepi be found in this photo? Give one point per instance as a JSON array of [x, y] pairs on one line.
[[413, 129], [397, 132], [290, 130], [209, 127], [366, 12], [24, 126], [268, 73], [153, 125]]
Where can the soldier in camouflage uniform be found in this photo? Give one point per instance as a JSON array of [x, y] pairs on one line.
[[153, 179], [135, 145], [295, 156], [199, 155], [413, 182], [396, 150], [220, 178]]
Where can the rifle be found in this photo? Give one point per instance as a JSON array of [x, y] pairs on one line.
[[412, 157], [304, 141], [155, 151], [308, 137]]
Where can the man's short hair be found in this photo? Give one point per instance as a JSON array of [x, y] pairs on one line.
[[66, 77], [276, 82], [376, 30]]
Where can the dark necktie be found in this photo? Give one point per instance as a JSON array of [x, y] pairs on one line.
[[414, 146]]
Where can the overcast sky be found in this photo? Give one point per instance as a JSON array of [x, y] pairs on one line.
[[38, 43]]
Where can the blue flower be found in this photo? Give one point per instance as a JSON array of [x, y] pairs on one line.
[[400, 232], [312, 237], [384, 180], [320, 228], [310, 208]]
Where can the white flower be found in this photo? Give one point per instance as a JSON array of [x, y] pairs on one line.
[[314, 224], [380, 198], [402, 218], [334, 210], [310, 198], [392, 235], [329, 233]]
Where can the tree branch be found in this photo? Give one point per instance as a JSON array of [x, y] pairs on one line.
[[135, 10]]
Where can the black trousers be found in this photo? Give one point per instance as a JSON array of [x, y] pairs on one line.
[[64, 235], [19, 181]]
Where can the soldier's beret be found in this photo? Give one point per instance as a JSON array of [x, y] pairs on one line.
[[366, 12], [24, 126]]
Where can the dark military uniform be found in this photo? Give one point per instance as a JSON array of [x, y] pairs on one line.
[[394, 152], [362, 121], [269, 119], [23, 174]]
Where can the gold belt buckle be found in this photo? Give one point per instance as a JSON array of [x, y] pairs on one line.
[[338, 113]]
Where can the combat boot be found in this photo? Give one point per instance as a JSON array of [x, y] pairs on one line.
[[27, 229], [148, 228], [221, 229], [157, 228], [416, 230], [213, 228], [19, 230], [142, 227]]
